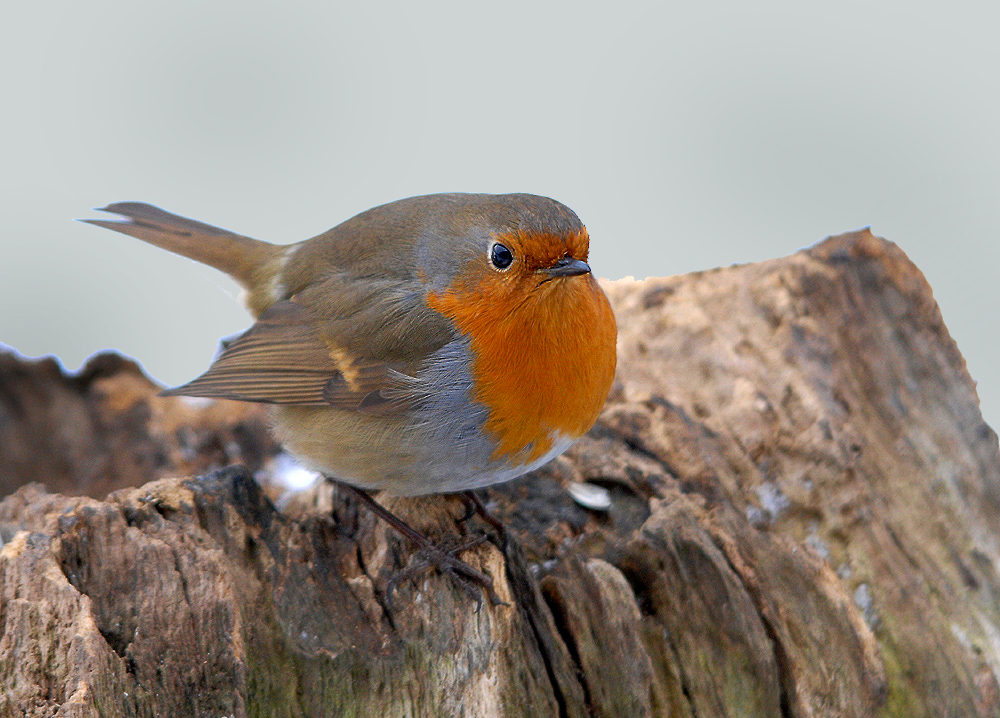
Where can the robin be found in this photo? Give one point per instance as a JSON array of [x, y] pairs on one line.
[[436, 344]]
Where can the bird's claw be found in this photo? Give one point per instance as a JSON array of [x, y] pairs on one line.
[[471, 580]]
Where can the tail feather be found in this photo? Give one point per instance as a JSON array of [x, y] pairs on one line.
[[251, 262]]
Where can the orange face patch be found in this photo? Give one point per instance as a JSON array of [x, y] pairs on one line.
[[535, 251], [543, 349]]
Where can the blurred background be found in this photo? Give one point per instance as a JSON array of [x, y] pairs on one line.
[[686, 136]]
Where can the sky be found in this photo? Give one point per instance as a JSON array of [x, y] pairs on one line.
[[686, 136]]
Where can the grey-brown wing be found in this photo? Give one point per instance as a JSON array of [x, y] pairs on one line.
[[292, 356]]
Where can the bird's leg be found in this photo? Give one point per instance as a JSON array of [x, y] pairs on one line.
[[474, 505], [445, 561]]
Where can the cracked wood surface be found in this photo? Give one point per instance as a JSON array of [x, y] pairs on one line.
[[804, 522]]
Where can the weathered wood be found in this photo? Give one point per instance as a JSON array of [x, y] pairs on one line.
[[804, 522], [105, 428]]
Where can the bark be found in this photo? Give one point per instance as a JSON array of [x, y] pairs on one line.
[[803, 522], [105, 428]]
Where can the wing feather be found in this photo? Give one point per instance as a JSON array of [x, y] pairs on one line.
[[346, 344], [282, 359]]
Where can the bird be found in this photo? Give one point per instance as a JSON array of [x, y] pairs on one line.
[[436, 344]]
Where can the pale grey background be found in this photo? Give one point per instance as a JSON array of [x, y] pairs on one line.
[[685, 136]]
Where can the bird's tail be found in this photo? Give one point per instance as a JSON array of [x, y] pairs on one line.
[[251, 262]]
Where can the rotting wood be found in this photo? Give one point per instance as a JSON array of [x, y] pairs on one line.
[[804, 522]]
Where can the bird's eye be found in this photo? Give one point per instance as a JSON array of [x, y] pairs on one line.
[[501, 256]]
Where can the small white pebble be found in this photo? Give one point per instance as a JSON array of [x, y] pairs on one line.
[[590, 496]]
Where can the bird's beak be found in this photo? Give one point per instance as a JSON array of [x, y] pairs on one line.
[[567, 267]]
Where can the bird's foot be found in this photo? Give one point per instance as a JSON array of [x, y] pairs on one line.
[[431, 556], [471, 580]]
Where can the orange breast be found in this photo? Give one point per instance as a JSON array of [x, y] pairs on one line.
[[544, 358]]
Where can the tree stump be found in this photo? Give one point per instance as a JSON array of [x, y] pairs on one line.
[[803, 520]]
